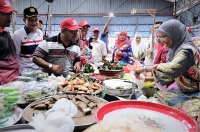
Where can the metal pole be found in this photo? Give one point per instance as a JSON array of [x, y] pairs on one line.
[[14, 22], [153, 15], [153, 37], [49, 22]]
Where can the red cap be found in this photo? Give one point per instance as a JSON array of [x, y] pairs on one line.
[[95, 29], [6, 7], [69, 23], [40, 21], [83, 23]]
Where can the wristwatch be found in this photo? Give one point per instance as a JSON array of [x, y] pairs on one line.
[[145, 68], [50, 66]]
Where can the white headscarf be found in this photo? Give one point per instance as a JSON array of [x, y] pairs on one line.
[[137, 48]]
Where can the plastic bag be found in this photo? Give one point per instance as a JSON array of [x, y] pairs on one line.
[[64, 105], [38, 122], [55, 122], [57, 119], [56, 80], [127, 68], [139, 81], [121, 63]]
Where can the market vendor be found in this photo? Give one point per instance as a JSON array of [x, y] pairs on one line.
[[182, 65], [9, 65], [62, 55]]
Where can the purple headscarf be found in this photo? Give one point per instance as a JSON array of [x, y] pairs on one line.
[[178, 33]]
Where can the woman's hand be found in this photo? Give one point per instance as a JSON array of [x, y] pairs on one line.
[[138, 70]]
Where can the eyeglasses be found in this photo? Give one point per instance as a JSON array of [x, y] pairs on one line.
[[6, 14]]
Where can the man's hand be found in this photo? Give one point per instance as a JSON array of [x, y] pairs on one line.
[[57, 69], [110, 18], [77, 66]]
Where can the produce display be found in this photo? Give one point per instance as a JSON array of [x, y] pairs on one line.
[[88, 68], [77, 87], [33, 91], [36, 75], [149, 89], [80, 86], [86, 104], [109, 66], [80, 83], [149, 84], [35, 85], [9, 97], [82, 76]]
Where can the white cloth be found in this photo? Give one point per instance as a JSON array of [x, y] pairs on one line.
[[148, 58], [149, 52], [98, 50]]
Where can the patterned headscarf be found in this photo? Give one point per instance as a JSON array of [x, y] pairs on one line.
[[178, 33]]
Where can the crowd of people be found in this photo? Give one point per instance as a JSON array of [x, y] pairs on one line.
[[173, 59]]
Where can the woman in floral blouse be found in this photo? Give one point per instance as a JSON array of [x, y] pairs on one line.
[[122, 49], [182, 66]]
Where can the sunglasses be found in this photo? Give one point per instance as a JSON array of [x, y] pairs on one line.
[[6, 14]]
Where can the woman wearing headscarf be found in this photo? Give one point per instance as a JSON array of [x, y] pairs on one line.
[[161, 49], [138, 48], [122, 49], [182, 65]]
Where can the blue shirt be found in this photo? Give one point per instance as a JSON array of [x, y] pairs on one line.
[[104, 38]]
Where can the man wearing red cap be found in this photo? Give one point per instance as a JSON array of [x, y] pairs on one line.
[[86, 53], [27, 39], [9, 65], [99, 51], [60, 54]]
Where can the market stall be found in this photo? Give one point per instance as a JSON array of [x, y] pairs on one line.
[[36, 97]]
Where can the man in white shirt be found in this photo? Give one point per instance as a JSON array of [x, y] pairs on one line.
[[99, 50], [27, 39]]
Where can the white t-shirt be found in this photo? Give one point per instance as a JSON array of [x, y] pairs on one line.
[[26, 43], [98, 50]]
